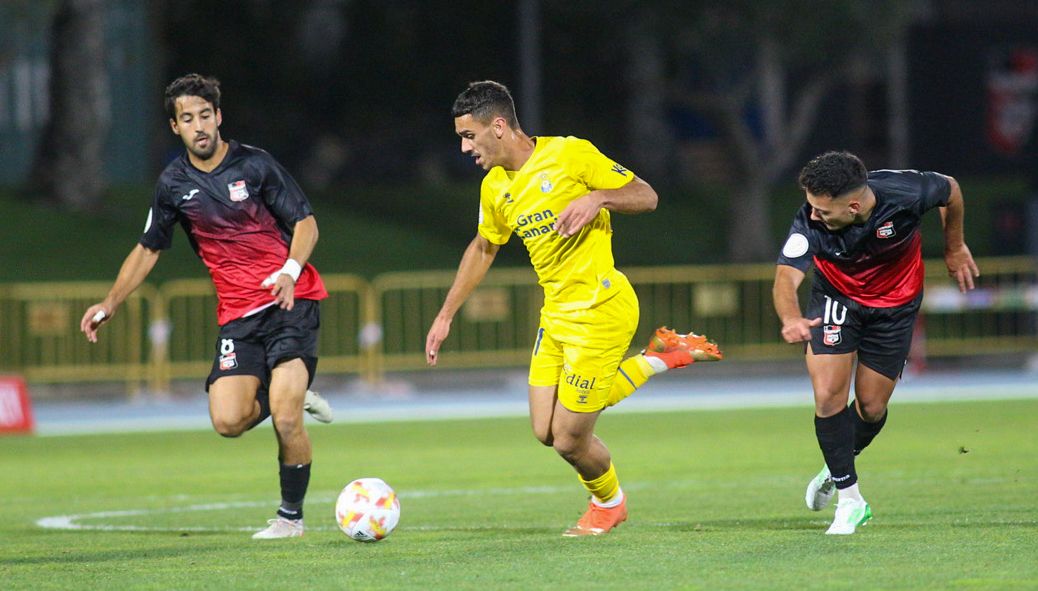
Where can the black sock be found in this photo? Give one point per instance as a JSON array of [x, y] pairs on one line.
[[836, 438], [294, 480], [864, 432], [263, 398]]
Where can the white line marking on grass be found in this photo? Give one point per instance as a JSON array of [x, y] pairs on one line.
[[72, 522]]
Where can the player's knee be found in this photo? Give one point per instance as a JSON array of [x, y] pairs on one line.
[[544, 436], [569, 448], [229, 428], [288, 423], [872, 412]]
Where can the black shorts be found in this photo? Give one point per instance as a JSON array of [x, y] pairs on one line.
[[254, 345], [881, 336]]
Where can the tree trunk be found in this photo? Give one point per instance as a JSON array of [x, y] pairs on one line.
[[649, 136], [69, 164], [750, 229]]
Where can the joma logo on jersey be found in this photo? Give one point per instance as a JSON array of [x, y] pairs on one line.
[[531, 225], [885, 231]]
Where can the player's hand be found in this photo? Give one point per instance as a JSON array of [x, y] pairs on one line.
[[798, 330], [441, 327], [93, 318], [577, 214], [962, 267], [284, 291]]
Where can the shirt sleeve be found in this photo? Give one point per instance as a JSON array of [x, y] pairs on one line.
[[162, 217], [799, 249], [594, 169], [492, 225], [282, 194], [934, 191]]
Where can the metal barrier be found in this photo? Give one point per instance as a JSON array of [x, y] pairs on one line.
[[169, 333], [495, 327], [190, 324], [40, 336]]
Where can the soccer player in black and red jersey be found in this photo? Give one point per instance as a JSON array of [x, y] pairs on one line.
[[252, 226], [861, 231]]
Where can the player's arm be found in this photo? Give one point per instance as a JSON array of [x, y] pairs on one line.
[[135, 269], [474, 265], [957, 255], [636, 196], [795, 328], [282, 283]]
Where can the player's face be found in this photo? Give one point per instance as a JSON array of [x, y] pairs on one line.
[[480, 140], [198, 125], [834, 213]]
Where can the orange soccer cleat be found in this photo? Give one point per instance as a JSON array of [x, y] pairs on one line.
[[598, 520], [679, 350]]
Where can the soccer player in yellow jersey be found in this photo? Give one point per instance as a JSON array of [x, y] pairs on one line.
[[556, 195]]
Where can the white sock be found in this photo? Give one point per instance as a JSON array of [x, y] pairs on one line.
[[851, 492], [613, 502], [658, 365]]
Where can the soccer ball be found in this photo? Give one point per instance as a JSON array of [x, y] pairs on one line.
[[367, 510]]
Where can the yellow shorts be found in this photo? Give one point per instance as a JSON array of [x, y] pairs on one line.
[[580, 351]]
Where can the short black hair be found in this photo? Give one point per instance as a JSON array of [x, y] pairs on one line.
[[204, 87], [833, 174], [485, 100]]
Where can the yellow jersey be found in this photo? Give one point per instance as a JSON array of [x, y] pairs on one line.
[[576, 272]]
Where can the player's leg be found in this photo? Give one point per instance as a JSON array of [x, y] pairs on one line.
[[291, 352], [666, 349], [575, 442], [237, 382], [830, 358], [872, 391], [584, 387], [830, 380], [882, 355], [834, 429], [545, 369], [233, 404]]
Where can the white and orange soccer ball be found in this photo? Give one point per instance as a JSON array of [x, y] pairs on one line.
[[367, 510]]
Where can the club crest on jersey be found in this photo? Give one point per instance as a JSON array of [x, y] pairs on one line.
[[238, 191], [885, 231], [546, 185], [228, 361], [831, 334]]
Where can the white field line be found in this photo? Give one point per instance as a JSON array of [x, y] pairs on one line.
[[72, 522]]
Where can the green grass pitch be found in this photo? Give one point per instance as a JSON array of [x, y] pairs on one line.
[[715, 499]]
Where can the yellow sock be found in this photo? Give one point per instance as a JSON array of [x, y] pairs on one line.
[[633, 372], [605, 487]]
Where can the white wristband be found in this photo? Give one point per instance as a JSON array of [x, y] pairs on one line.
[[292, 269]]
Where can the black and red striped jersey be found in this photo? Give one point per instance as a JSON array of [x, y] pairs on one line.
[[879, 262], [239, 219]]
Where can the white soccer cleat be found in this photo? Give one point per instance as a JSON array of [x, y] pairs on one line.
[[850, 513], [317, 406], [820, 490], [280, 528]]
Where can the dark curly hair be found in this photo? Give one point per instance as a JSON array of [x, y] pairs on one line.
[[486, 100], [204, 87], [833, 174]]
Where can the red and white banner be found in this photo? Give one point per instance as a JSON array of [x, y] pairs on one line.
[[15, 406]]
